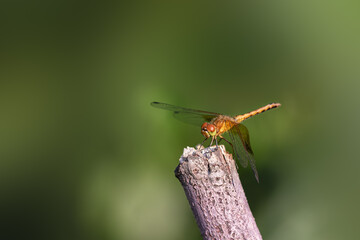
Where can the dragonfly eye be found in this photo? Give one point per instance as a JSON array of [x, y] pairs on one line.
[[204, 130], [211, 129]]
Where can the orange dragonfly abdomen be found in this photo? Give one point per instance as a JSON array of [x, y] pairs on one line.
[[242, 117]]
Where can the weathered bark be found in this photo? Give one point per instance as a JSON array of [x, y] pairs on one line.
[[214, 191]]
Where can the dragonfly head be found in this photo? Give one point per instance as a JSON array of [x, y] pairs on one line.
[[208, 130]]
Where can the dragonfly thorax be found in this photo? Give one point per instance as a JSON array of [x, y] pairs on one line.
[[208, 130]]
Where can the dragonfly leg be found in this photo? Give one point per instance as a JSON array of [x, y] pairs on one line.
[[212, 140], [204, 141], [221, 137]]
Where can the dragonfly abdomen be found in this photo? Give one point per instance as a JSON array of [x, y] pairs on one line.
[[240, 118]]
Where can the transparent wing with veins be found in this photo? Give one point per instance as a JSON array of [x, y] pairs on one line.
[[239, 136], [187, 115]]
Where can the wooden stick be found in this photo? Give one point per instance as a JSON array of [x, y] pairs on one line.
[[213, 188]]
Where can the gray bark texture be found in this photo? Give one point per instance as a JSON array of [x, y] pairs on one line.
[[213, 188]]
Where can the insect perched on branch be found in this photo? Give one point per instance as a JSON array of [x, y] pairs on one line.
[[217, 124]]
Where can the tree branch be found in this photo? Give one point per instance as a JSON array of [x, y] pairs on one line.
[[213, 188]]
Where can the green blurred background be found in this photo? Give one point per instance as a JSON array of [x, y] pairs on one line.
[[84, 156]]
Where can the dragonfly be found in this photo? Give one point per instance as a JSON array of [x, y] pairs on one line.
[[214, 125]]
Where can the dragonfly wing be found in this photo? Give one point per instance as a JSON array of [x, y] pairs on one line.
[[239, 136], [194, 119], [187, 115], [245, 137]]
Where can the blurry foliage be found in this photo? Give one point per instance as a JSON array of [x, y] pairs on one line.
[[84, 156]]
